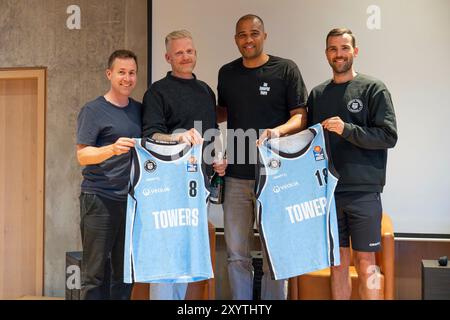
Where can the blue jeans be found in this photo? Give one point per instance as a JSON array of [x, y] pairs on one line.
[[239, 218]]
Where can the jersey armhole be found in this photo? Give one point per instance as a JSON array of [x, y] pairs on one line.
[[260, 174], [331, 168], [135, 171]]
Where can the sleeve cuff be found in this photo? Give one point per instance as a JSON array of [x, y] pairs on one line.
[[347, 130]]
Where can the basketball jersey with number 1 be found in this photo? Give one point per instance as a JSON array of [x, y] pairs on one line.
[[295, 204], [166, 238]]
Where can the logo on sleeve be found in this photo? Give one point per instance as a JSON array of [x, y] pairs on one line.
[[355, 105]]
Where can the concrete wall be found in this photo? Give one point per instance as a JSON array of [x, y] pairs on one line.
[[34, 33]]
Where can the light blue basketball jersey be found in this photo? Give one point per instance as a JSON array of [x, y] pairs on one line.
[[166, 238], [295, 204]]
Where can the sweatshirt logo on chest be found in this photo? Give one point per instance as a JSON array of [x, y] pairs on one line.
[[264, 89], [355, 106]]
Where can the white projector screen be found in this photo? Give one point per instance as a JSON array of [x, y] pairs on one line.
[[405, 43]]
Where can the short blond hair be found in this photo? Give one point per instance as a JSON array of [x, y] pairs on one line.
[[177, 34]]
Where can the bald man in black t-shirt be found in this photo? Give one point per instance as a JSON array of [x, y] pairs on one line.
[[258, 93]]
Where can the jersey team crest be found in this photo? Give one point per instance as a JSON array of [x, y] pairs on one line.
[[150, 165]]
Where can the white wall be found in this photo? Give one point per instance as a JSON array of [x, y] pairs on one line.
[[410, 53]]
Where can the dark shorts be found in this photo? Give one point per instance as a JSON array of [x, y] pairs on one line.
[[359, 220]]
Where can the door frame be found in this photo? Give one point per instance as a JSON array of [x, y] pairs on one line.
[[39, 74]]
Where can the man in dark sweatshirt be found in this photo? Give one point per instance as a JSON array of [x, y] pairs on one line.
[[180, 108], [357, 110]]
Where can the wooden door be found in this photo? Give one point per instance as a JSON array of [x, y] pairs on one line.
[[22, 147]]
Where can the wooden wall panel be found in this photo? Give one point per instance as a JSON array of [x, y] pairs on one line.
[[22, 113]]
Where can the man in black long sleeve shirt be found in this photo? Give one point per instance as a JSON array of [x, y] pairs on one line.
[[357, 110], [179, 108]]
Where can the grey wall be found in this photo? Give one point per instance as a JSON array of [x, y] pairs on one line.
[[34, 33]]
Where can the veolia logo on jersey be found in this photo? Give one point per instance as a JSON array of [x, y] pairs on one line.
[[355, 105], [279, 188], [147, 192], [150, 165]]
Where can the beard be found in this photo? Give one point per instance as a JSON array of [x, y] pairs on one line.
[[343, 68], [185, 68]]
